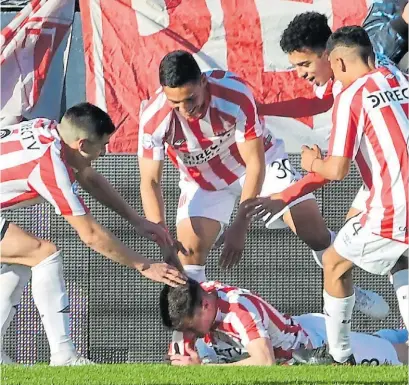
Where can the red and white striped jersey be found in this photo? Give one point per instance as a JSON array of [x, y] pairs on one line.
[[330, 88], [243, 317], [33, 169], [334, 87], [371, 127], [205, 151]]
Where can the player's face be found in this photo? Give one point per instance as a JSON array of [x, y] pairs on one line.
[[203, 318], [190, 100], [311, 66]]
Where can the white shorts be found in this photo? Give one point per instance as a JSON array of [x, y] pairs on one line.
[[361, 197], [218, 205], [367, 348], [369, 251]]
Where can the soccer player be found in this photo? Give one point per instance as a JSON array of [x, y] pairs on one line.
[[40, 160], [370, 127], [387, 27], [233, 326], [304, 41], [210, 127]]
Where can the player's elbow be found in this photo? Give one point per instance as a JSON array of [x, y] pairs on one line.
[[91, 236], [265, 359]]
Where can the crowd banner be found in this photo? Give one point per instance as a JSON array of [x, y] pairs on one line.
[[125, 40], [34, 46]]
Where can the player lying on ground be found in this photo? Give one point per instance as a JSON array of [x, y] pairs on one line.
[[40, 160], [371, 128], [211, 129], [234, 326]]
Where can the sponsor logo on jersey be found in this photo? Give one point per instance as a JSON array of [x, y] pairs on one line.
[[4, 133], [28, 137], [203, 156], [179, 142], [381, 99]]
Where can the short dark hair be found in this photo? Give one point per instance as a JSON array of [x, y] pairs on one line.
[[179, 303], [352, 37], [178, 68], [90, 119], [308, 30]]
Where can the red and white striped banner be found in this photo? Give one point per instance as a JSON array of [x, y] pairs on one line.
[[27, 49], [124, 41]]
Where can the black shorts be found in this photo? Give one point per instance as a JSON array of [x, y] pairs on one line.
[[4, 225]]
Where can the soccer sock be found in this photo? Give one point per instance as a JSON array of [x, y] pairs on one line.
[[401, 286], [51, 299], [13, 280], [319, 254], [196, 272], [338, 325]]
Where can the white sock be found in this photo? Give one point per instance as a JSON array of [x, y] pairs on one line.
[[13, 280], [196, 272], [338, 325], [51, 299], [401, 286], [319, 254]]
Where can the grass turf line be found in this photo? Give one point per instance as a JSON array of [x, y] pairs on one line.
[[131, 374]]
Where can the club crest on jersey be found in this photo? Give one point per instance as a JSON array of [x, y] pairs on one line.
[[147, 141], [4, 133], [75, 187], [381, 99]]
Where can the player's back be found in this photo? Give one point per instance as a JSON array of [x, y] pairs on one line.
[[384, 150], [22, 147], [245, 316]]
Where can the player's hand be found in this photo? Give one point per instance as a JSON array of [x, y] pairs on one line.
[[170, 256], [192, 359], [154, 232], [157, 232], [264, 207], [233, 239], [308, 155], [164, 273]]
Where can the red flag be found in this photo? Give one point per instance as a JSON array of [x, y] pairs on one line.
[[28, 46], [124, 41]]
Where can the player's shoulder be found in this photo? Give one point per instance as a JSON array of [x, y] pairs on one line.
[[228, 81], [354, 90], [156, 103]]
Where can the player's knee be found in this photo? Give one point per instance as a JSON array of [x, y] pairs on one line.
[[194, 256], [316, 239], [42, 249], [338, 271]]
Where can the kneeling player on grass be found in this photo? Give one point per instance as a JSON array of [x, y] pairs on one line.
[[229, 325], [40, 160]]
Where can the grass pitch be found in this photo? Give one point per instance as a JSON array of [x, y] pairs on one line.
[[132, 374]]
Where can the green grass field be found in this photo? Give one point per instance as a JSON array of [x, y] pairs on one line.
[[128, 374]]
